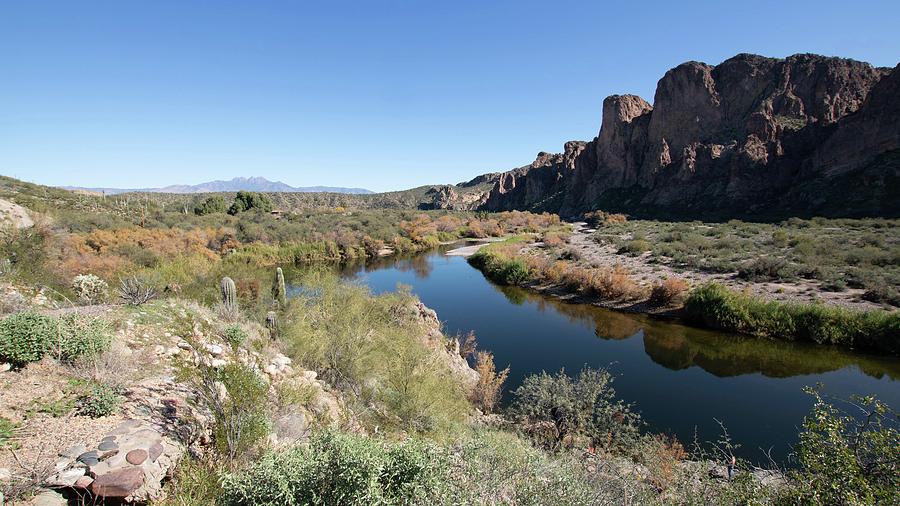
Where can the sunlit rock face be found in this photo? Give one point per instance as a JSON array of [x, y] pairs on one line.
[[750, 137]]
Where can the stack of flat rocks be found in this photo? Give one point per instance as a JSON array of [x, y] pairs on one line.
[[129, 464]]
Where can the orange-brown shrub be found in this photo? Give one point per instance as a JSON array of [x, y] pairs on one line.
[[667, 291], [107, 253], [554, 239], [490, 383]]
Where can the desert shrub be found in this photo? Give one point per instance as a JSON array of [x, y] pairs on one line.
[[766, 268], [500, 267], [554, 239], [82, 336], [597, 219], [606, 283], [6, 432], [667, 291], [848, 458], [26, 337], [246, 201], [236, 396], [370, 347], [234, 335], [213, 204], [636, 246], [340, 468], [883, 294], [486, 393], [90, 289], [581, 408], [101, 400], [194, 483], [136, 291], [715, 306]]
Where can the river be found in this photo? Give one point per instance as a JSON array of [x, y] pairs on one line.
[[684, 381]]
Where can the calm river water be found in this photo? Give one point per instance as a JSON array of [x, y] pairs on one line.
[[682, 380]]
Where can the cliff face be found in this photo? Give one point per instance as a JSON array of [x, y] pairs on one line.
[[750, 137]]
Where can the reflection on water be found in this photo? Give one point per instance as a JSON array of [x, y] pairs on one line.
[[679, 347], [683, 380]]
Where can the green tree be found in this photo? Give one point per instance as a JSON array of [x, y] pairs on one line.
[[214, 204], [245, 201]]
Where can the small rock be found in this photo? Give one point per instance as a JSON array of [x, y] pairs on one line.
[[90, 458], [106, 446], [66, 478], [184, 345], [5, 474], [155, 451], [271, 370], [49, 498], [159, 349], [217, 363], [118, 484], [83, 482], [5, 367], [73, 452], [214, 350], [310, 375], [136, 457], [62, 463]]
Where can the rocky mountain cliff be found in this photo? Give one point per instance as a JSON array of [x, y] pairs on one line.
[[752, 137]]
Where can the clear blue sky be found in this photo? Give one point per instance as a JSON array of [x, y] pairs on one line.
[[378, 94]]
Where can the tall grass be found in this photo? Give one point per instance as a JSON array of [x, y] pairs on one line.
[[715, 306]]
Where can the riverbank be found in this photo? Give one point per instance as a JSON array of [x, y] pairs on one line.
[[542, 267]]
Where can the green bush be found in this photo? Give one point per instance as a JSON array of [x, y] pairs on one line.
[[235, 335], [236, 396], [340, 468], [26, 337], [102, 400], [848, 458], [500, 269], [766, 269], [82, 337], [245, 201], [370, 347], [213, 204], [583, 407], [716, 306]]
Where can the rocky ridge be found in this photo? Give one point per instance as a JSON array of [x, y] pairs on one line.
[[750, 137]]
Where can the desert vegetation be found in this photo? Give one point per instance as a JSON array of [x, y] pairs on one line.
[[838, 254], [554, 267], [328, 393]]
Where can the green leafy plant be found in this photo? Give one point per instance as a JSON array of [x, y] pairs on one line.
[[236, 396], [101, 400], [82, 336], [235, 335], [848, 458], [340, 468], [25, 337], [560, 409]]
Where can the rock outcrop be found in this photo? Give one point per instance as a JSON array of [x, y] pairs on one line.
[[750, 137]]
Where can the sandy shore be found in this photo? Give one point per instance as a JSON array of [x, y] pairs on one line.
[[467, 251]]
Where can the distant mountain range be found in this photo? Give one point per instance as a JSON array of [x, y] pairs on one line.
[[257, 184]]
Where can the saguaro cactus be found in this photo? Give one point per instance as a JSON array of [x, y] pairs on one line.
[[229, 293], [278, 290], [272, 323]]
